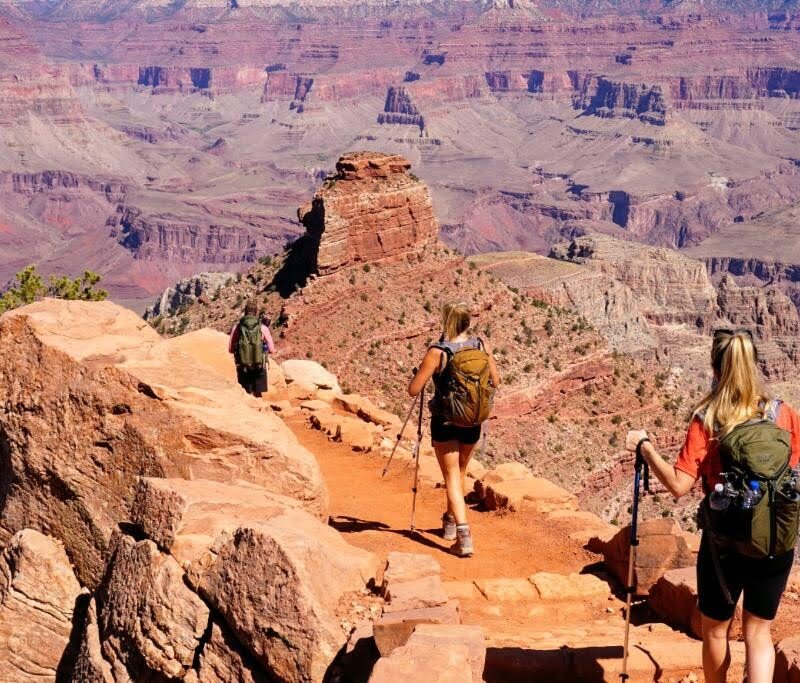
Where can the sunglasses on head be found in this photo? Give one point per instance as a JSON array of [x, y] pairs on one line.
[[724, 332]]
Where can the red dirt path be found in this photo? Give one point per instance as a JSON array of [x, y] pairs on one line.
[[375, 514]]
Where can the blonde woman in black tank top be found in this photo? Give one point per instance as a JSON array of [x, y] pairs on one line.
[[454, 446]]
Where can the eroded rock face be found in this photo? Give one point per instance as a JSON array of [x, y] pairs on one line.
[[662, 546], [771, 315], [151, 623], [669, 287], [277, 585], [38, 592], [96, 399], [186, 292], [371, 210]]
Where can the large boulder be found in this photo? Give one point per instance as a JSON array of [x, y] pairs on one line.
[[185, 517], [309, 375], [662, 546], [278, 585], [232, 583], [99, 399], [38, 592], [151, 622]]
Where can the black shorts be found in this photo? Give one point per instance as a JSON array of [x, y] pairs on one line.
[[761, 581], [252, 380], [442, 432]]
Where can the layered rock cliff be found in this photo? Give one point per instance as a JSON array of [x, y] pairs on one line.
[[670, 288], [607, 98], [371, 210]]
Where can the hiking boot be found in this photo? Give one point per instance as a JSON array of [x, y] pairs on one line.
[[463, 545], [448, 527]]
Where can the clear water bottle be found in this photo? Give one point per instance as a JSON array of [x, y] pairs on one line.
[[719, 500], [752, 496]]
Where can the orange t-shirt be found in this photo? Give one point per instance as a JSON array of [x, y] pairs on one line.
[[699, 456]]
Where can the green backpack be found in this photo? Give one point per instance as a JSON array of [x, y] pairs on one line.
[[249, 347], [464, 392], [755, 458]]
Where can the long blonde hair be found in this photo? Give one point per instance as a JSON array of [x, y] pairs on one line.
[[738, 394], [455, 319]]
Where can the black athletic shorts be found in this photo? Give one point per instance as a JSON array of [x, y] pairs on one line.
[[252, 380], [444, 432], [761, 581]]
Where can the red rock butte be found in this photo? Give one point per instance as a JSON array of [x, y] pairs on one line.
[[373, 209]]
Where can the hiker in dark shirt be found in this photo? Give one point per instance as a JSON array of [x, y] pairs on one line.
[[250, 342], [454, 444]]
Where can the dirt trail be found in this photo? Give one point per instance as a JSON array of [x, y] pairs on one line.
[[375, 514]]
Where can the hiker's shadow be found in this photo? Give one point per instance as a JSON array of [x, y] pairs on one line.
[[353, 525]]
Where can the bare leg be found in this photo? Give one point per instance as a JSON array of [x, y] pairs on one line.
[[759, 647], [716, 650], [465, 452], [447, 453]]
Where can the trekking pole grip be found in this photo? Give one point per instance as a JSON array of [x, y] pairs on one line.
[[641, 464]]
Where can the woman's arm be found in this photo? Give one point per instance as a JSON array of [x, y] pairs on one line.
[[678, 482], [233, 338], [494, 375], [429, 365], [266, 337]]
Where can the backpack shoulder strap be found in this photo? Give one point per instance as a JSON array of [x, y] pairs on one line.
[[773, 409]]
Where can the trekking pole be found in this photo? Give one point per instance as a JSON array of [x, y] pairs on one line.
[[416, 457], [640, 468], [400, 435]]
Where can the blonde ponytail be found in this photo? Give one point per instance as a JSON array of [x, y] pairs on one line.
[[738, 394], [455, 319]]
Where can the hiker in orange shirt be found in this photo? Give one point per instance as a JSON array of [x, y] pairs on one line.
[[737, 432]]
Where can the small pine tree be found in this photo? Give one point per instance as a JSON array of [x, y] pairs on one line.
[[30, 287]]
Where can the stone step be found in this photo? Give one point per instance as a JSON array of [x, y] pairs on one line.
[[593, 653]]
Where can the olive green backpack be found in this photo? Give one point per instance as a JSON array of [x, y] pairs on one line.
[[464, 392], [757, 451], [249, 347]]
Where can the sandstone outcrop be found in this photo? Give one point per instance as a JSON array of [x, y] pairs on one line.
[[151, 622], [186, 292], [278, 584], [662, 546], [99, 399], [38, 595], [371, 210]]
